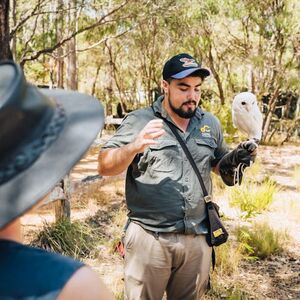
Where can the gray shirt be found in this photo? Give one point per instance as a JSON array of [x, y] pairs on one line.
[[163, 193]]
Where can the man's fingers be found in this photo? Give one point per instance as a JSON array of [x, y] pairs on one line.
[[148, 142], [154, 124], [155, 134]]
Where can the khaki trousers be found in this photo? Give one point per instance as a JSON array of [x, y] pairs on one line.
[[176, 263]]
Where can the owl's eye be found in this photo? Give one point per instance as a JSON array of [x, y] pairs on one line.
[[243, 102]]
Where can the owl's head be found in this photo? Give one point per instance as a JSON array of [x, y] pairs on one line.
[[244, 101]]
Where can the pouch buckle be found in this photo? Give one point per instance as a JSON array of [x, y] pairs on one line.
[[208, 198]]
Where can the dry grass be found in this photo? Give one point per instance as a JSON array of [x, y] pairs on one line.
[[228, 257], [102, 204], [261, 241], [296, 177], [76, 239]]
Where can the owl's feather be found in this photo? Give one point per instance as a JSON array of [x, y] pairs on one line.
[[246, 115]]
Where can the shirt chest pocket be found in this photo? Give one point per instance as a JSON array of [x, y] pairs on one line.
[[160, 157], [204, 149]]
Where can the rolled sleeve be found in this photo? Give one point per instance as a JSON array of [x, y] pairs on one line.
[[125, 134]]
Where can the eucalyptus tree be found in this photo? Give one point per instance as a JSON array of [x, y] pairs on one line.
[[264, 42], [5, 52], [41, 30]]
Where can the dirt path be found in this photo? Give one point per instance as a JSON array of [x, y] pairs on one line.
[[275, 278]]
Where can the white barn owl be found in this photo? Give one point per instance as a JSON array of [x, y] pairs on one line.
[[246, 115]]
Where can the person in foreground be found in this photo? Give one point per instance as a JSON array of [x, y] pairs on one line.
[[43, 134], [165, 242]]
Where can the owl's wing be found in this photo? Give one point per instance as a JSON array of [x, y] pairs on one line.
[[257, 115], [257, 121], [233, 113], [242, 121]]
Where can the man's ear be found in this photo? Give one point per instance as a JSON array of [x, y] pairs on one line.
[[165, 86]]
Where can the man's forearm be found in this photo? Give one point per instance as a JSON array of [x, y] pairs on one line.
[[115, 161]]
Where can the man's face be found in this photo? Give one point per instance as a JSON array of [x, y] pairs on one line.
[[183, 96]]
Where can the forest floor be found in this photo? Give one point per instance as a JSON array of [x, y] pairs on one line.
[[102, 203]]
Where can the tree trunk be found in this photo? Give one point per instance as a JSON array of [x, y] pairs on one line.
[[14, 37], [291, 130], [60, 51], [71, 78], [93, 92], [110, 83], [62, 206], [216, 75], [5, 52], [268, 118]]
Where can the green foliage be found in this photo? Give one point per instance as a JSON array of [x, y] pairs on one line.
[[75, 239], [253, 198], [121, 49], [261, 241], [223, 113]]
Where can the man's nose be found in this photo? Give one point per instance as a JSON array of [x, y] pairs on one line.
[[192, 95]]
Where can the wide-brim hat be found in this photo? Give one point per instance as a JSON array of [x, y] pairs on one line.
[[43, 134]]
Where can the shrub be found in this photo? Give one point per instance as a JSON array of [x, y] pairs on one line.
[[75, 239], [261, 241], [252, 198]]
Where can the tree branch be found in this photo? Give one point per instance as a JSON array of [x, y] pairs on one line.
[[101, 21], [21, 23]]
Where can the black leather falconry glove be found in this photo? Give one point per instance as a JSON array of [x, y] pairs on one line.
[[242, 155]]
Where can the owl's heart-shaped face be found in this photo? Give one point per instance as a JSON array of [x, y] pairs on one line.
[[244, 101]]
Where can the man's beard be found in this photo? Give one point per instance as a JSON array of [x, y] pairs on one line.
[[182, 113]]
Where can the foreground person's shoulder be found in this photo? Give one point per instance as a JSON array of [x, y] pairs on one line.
[[85, 284]]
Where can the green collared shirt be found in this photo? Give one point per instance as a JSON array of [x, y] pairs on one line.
[[163, 193]]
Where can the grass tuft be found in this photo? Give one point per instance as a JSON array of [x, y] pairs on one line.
[[228, 258], [75, 239], [234, 291], [261, 241], [252, 198]]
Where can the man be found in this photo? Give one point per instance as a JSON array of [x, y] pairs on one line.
[[165, 244], [43, 134]]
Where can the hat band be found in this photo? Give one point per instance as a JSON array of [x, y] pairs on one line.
[[31, 152]]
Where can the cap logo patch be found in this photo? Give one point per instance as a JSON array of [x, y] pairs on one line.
[[188, 62]]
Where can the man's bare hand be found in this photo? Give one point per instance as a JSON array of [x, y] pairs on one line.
[[148, 135]]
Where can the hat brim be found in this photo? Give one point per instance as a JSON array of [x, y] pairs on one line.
[[85, 118], [201, 71]]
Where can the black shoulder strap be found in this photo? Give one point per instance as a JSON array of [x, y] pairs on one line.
[[207, 198], [189, 156]]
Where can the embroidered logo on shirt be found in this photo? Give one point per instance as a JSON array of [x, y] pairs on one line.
[[205, 131], [205, 128], [188, 62]]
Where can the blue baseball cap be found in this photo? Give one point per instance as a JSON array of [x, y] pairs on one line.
[[183, 65]]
